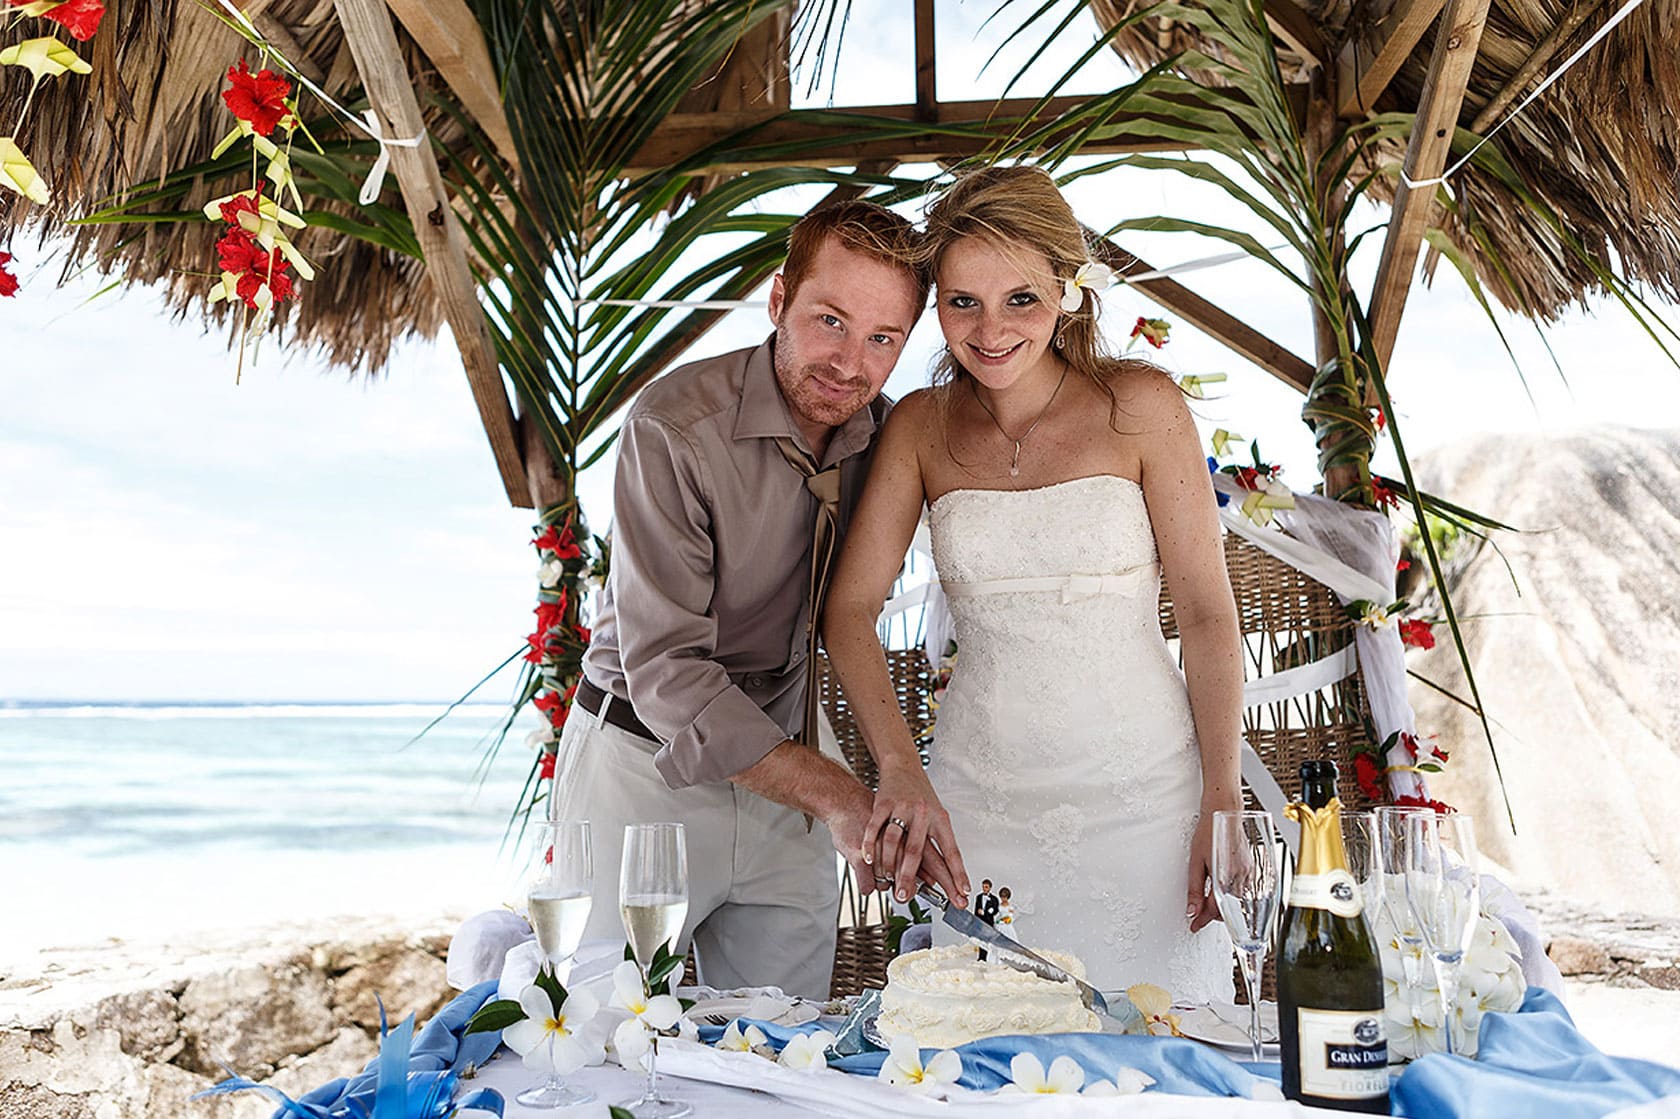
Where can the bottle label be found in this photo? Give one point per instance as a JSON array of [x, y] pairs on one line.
[[1334, 890], [1344, 1054]]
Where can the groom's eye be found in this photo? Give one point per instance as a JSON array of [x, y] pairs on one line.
[[830, 320]]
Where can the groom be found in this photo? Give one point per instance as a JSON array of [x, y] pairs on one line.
[[692, 702]]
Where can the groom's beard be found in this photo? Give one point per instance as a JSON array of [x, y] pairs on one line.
[[820, 393]]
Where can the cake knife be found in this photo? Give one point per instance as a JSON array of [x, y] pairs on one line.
[[1009, 950]]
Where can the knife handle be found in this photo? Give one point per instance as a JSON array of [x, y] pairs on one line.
[[933, 895]]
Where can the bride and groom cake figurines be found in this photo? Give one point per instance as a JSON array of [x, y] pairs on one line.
[[1061, 484]]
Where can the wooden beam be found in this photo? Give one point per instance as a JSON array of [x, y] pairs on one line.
[[373, 41], [1292, 370], [1367, 64], [1531, 67], [1290, 23], [927, 90], [683, 134], [1456, 45], [450, 35]]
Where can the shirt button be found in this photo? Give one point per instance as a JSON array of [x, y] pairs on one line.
[[755, 682]]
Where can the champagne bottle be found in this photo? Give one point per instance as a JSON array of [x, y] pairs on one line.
[[1329, 976]]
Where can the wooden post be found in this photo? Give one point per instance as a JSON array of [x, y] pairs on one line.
[[450, 35], [1437, 117], [373, 44], [927, 89], [1365, 67]]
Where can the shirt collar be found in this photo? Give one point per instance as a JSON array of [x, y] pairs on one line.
[[764, 412]]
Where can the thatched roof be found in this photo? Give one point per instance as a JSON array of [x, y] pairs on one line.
[[1602, 148]]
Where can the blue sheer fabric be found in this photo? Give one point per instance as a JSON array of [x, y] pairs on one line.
[[1533, 1062]]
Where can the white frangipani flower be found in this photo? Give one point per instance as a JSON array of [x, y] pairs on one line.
[[805, 1051], [550, 573], [735, 1040], [1127, 1082], [631, 1042], [540, 737], [1092, 276], [1027, 1073], [903, 1068], [550, 1040], [659, 1012]]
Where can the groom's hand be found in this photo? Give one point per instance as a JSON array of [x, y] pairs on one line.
[[910, 833]]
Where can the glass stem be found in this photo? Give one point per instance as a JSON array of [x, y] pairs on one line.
[[1251, 979], [1409, 961], [653, 1059], [1446, 977]]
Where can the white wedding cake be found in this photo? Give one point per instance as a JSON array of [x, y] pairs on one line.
[[947, 996]]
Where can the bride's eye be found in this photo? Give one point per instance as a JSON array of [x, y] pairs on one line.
[[961, 302], [1023, 299]]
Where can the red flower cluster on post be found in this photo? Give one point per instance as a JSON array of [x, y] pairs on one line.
[[79, 17], [559, 541], [1402, 564], [257, 99], [240, 254], [1368, 773], [1383, 495], [1417, 634], [8, 282]]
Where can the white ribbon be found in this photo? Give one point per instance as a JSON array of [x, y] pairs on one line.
[[375, 181], [1073, 588]]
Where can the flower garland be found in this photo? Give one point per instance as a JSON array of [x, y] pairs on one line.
[[1266, 491], [45, 56], [1372, 764], [555, 647]]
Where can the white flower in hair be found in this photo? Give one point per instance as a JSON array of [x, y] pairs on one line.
[[1091, 276]]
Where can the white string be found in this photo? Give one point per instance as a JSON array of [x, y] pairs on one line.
[[1625, 10], [369, 122]]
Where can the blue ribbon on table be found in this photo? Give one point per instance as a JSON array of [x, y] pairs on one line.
[[411, 1078], [1532, 1062], [1177, 1065]]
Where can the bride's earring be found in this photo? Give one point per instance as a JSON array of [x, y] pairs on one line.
[[1060, 339]]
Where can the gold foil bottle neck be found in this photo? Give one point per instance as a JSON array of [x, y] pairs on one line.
[[1321, 837]]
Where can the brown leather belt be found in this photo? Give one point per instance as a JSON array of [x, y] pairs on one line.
[[619, 712]]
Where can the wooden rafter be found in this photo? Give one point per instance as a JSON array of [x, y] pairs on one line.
[[1367, 63], [450, 35], [1290, 23], [1286, 366], [373, 41], [927, 90], [1536, 62], [1456, 45]]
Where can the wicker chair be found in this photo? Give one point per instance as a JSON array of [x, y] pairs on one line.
[[1286, 618]]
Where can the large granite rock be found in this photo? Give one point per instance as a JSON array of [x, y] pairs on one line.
[[1577, 659], [131, 1031]]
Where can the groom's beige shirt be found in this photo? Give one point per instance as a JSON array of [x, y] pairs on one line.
[[702, 625]]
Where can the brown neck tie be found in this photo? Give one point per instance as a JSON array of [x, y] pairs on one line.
[[825, 484]]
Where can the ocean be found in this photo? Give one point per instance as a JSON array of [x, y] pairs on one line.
[[151, 821]]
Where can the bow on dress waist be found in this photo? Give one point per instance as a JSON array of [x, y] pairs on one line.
[[1073, 588]]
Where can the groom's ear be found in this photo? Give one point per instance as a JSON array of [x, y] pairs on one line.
[[778, 299]]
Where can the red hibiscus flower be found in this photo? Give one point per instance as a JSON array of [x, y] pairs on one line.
[[1416, 634], [559, 541], [241, 204], [545, 769], [1382, 495], [8, 282], [1153, 331], [79, 17], [257, 99], [583, 633], [547, 702], [279, 284], [1411, 800], [239, 253], [535, 653], [1379, 419], [1403, 565], [1247, 477], [549, 615], [1369, 775]]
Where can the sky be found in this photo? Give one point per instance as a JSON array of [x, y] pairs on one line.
[[167, 533]]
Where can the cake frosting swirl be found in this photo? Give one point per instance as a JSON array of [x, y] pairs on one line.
[[948, 996]]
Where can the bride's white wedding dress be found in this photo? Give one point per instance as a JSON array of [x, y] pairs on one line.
[[1064, 748]]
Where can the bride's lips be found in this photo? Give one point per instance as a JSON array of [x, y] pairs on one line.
[[994, 357]]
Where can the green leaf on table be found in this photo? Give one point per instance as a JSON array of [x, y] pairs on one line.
[[498, 1015], [662, 970], [619, 1112]]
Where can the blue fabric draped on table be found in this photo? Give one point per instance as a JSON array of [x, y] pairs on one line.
[[412, 1078], [1533, 1062]]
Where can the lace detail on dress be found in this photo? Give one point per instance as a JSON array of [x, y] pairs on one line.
[[1064, 749]]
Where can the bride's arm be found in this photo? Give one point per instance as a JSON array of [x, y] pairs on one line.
[[876, 540], [1183, 511]]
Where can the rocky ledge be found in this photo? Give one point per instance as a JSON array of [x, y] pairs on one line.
[[133, 1031], [1620, 949]]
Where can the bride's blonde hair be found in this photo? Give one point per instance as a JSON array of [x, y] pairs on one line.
[[1019, 210]]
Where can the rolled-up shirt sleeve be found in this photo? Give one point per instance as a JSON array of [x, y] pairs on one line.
[[664, 576]]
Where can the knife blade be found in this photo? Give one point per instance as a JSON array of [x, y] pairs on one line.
[[1009, 950]]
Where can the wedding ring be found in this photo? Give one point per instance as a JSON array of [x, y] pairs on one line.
[[900, 823], [883, 880]]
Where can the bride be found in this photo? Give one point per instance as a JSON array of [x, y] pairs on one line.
[[1071, 757]]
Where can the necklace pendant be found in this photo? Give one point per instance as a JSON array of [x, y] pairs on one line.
[[1015, 461], [1014, 471]]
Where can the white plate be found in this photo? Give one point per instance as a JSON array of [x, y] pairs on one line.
[[1225, 1026], [764, 1008]]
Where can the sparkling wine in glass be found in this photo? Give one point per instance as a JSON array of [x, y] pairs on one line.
[[560, 885], [653, 901], [1443, 890], [1391, 874], [1245, 884]]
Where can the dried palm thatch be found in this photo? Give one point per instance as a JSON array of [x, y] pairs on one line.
[[152, 106], [1601, 147]]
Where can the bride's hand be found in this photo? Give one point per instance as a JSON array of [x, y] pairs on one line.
[[1201, 908], [911, 831]]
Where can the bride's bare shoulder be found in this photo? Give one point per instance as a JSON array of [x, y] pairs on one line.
[[1144, 392]]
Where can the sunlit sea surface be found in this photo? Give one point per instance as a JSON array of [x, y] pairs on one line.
[[148, 821]]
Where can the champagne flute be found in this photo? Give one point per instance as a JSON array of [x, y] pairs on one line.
[[1391, 861], [1245, 884], [653, 901], [558, 899], [1444, 893]]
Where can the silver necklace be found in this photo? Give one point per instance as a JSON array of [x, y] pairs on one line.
[[1015, 460]]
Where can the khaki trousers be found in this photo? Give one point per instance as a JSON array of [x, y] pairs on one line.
[[763, 892]]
